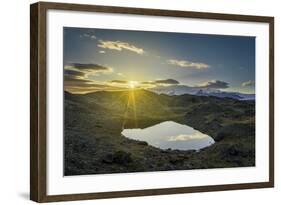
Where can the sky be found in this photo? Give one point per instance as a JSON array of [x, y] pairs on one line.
[[105, 59]]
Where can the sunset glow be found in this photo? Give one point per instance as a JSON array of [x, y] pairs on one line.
[[133, 84], [112, 60]]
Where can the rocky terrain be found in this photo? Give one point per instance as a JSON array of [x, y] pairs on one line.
[[93, 123]]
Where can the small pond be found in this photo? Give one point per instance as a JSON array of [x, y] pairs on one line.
[[170, 134]]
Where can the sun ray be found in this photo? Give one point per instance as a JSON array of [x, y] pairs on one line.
[[131, 103], [126, 113], [132, 93]]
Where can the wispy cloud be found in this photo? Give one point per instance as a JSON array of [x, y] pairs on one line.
[[218, 84], [167, 81], [102, 52], [74, 73], [248, 83], [121, 74], [144, 84], [85, 86], [187, 64], [119, 81], [86, 69], [88, 35], [76, 78], [119, 46], [161, 82]]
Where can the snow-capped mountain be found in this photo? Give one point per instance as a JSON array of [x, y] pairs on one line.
[[223, 94], [199, 91], [175, 90]]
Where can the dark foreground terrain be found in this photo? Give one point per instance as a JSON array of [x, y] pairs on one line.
[[93, 143]]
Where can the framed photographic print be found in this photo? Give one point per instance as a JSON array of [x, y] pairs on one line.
[[134, 102]]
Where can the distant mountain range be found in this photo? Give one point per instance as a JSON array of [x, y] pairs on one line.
[[199, 91]]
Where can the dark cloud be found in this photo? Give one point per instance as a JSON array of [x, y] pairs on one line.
[[166, 82], [76, 77], [86, 67], [72, 80], [74, 73], [88, 88], [80, 85], [119, 81], [214, 84], [148, 83]]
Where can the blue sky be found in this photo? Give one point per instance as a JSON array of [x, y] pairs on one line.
[[102, 59]]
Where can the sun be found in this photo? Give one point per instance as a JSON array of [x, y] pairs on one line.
[[133, 84]]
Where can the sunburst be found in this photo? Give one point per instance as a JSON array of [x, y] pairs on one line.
[[133, 84]]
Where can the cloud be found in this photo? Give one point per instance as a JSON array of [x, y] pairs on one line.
[[248, 83], [167, 81], [187, 64], [72, 80], [88, 35], [102, 52], [87, 69], [76, 84], [161, 82], [86, 66], [214, 84], [119, 81], [121, 74], [119, 46], [76, 77], [148, 83], [74, 73], [125, 83], [80, 87]]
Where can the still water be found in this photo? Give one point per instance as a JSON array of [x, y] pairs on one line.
[[170, 134]]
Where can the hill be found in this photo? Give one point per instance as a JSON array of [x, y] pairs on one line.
[[94, 122]]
